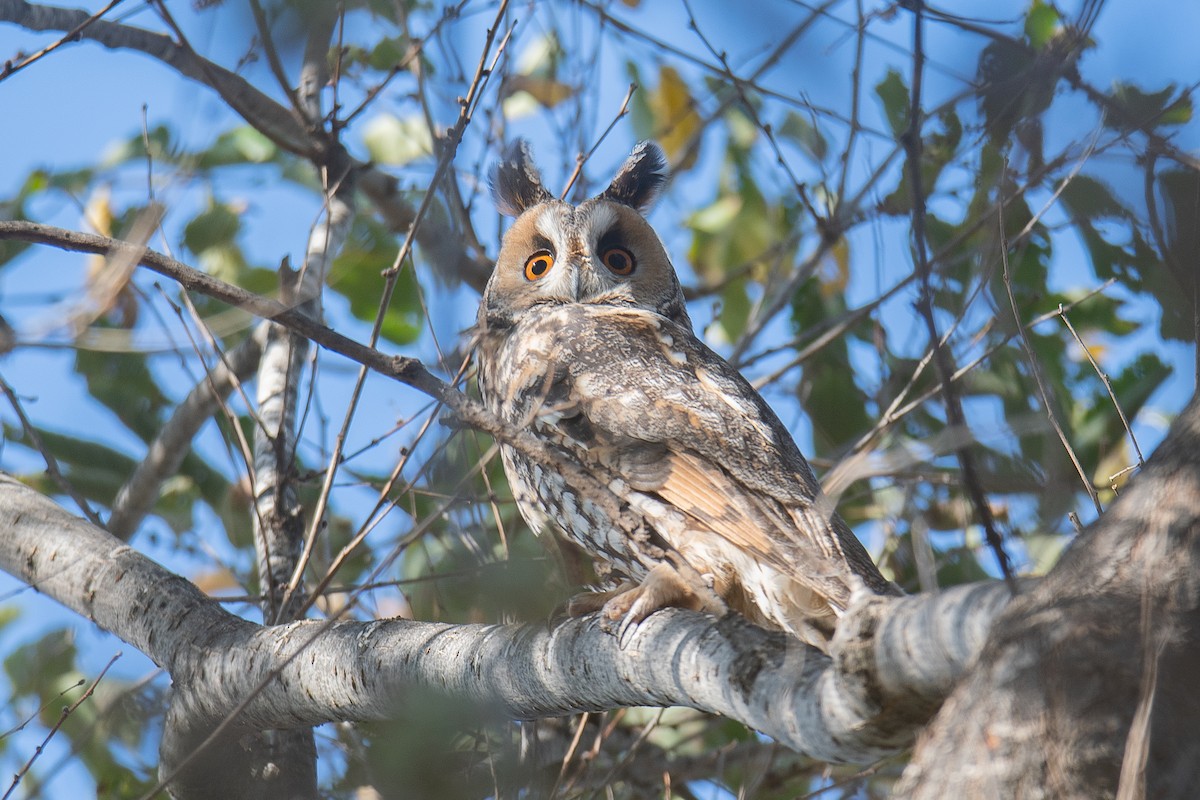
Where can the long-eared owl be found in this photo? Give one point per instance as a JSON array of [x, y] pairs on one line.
[[583, 339]]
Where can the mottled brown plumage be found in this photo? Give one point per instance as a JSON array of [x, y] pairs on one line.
[[584, 339]]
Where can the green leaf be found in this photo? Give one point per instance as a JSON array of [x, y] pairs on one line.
[[124, 384], [216, 226], [11, 248], [735, 310], [959, 566], [805, 134], [156, 142], [827, 390], [388, 53], [1134, 109], [1091, 198], [43, 668], [95, 470], [1041, 23], [242, 145], [893, 93], [369, 250], [938, 149], [392, 140], [1173, 283], [1016, 86]]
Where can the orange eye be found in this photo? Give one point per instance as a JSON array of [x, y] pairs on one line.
[[538, 265], [618, 260]]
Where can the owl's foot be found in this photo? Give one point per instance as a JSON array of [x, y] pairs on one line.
[[589, 602], [624, 609]]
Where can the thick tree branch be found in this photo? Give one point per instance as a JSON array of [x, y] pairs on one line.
[[1095, 667], [306, 673]]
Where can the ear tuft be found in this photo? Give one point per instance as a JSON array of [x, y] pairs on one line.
[[640, 179], [516, 182]]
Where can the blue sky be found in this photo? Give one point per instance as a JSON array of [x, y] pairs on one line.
[[68, 109]]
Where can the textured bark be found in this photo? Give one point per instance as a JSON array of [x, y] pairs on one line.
[[306, 673], [1086, 688]]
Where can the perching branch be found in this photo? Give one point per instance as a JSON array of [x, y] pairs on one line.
[[365, 670]]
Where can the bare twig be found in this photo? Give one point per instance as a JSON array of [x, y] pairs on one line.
[[52, 467], [582, 158], [1036, 372], [1107, 384], [164, 455], [452, 139], [941, 355], [73, 35], [66, 712]]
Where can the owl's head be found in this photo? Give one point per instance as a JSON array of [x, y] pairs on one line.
[[601, 252]]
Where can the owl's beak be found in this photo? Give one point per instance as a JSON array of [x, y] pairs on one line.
[[589, 281]]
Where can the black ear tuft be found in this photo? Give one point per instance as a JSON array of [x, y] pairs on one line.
[[640, 178], [516, 182]]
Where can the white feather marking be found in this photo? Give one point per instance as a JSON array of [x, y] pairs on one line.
[[549, 224], [600, 219], [743, 407]]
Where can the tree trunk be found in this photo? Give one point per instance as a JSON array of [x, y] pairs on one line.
[[1086, 687]]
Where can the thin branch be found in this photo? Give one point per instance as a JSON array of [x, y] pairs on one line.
[[66, 712], [1036, 372], [73, 35], [583, 158], [52, 467], [173, 441], [264, 114], [941, 355], [1107, 384], [406, 370]]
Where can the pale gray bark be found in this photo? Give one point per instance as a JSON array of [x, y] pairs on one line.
[[282, 762], [364, 671], [1087, 686]]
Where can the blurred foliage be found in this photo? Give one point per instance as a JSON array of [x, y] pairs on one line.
[[777, 202]]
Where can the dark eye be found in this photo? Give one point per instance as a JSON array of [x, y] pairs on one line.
[[538, 265], [618, 260]]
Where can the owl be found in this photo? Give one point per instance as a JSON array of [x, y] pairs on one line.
[[583, 338]]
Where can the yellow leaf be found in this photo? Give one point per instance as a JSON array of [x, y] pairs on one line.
[[540, 57], [834, 280], [546, 91], [1113, 469], [718, 216], [215, 581], [97, 212], [675, 119]]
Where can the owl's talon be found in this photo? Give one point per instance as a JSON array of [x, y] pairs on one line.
[[589, 602], [627, 631], [662, 587]]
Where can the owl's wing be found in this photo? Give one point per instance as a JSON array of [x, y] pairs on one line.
[[671, 417]]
